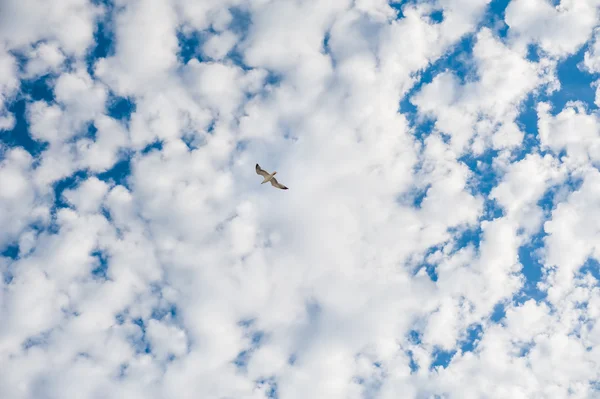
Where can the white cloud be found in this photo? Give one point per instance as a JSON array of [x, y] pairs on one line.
[[483, 110], [8, 85], [102, 153], [591, 60], [18, 197], [219, 45], [79, 100], [88, 197], [193, 280], [70, 22], [572, 234], [572, 130], [140, 65], [523, 186], [214, 14], [45, 58], [558, 30]]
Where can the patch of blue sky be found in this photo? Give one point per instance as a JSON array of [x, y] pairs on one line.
[[532, 270], [436, 16], [398, 5], [491, 210], [256, 339], [419, 195], [191, 41], [120, 108], [240, 24], [270, 387], [92, 132], [525, 348], [471, 338], [7, 271], [104, 3], [326, 38], [272, 79], [119, 173], [10, 251], [169, 311], [499, 312], [592, 267], [40, 339], [246, 323], [414, 337], [464, 237], [156, 145], [484, 177], [121, 317], [494, 18], [431, 271], [20, 136], [139, 340], [241, 21], [67, 183], [533, 52], [527, 123], [104, 37], [414, 367], [420, 263], [575, 83], [194, 141], [190, 44], [441, 358], [38, 89], [100, 267]]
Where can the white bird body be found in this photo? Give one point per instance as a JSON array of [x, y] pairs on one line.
[[269, 177]]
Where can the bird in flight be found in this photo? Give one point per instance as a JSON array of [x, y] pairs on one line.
[[269, 178]]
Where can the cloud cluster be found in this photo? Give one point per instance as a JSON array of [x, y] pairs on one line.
[[432, 243]]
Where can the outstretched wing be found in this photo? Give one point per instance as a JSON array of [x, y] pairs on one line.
[[261, 172], [275, 183]]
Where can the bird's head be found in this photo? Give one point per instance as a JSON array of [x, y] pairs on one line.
[[274, 173]]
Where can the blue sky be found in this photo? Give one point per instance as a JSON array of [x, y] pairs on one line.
[[443, 180]]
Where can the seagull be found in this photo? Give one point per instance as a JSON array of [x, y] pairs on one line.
[[269, 178]]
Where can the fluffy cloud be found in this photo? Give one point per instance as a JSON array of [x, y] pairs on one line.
[[482, 113], [142, 258], [559, 30], [8, 86], [70, 22]]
